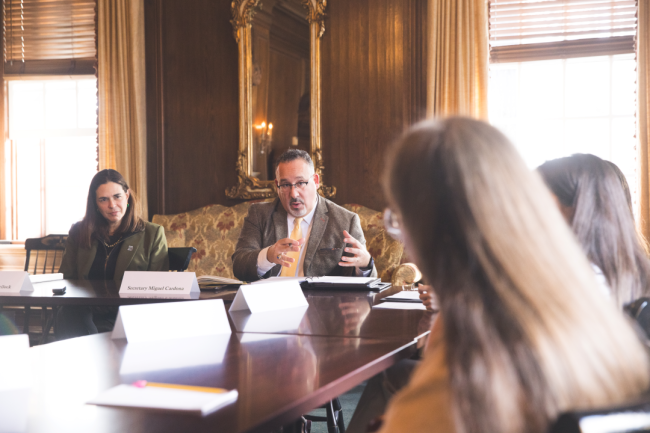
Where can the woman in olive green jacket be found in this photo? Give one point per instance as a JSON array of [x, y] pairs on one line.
[[145, 250], [111, 239]]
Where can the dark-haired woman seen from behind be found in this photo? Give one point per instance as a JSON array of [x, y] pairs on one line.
[[522, 333], [111, 238], [591, 195]]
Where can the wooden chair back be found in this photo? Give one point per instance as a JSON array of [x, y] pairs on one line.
[[43, 255]]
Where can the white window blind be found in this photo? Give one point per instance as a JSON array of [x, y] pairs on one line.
[[523, 30], [41, 31]]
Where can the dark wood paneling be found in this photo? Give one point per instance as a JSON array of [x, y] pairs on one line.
[[192, 104], [373, 88]]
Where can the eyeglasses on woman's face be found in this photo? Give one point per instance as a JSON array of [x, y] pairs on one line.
[[392, 224]]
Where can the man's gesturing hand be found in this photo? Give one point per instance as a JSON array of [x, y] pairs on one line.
[[277, 253], [361, 257]]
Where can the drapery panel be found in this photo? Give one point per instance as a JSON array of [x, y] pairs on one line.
[[643, 115], [121, 82], [457, 58]]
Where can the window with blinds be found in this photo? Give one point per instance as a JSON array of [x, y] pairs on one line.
[[563, 79], [49, 36], [525, 30]]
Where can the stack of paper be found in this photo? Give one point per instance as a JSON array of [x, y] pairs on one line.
[[405, 296], [349, 281], [399, 306], [271, 280], [406, 300], [212, 281], [201, 403]]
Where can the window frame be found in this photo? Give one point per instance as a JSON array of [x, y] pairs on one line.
[[9, 182], [567, 49]]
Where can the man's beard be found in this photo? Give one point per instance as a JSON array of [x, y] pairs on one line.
[[297, 213]]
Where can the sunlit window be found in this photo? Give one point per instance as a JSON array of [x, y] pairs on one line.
[[52, 153], [555, 108], [563, 78]]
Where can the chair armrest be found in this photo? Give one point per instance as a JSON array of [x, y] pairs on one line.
[[405, 274]]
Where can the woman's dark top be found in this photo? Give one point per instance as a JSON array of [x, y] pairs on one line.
[[103, 267]]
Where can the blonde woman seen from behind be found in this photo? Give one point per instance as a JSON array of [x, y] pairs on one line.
[[523, 333]]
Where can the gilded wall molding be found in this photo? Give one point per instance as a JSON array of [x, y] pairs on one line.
[[316, 13], [242, 14], [325, 191], [249, 187]]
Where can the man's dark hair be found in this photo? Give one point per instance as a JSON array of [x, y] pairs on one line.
[[292, 155]]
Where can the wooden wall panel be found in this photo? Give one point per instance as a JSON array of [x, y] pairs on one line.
[[192, 104], [373, 88]]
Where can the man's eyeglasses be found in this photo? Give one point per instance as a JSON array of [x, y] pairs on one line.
[[286, 187], [392, 224]]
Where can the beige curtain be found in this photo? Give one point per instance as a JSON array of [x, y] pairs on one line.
[[457, 68], [643, 113], [122, 110]]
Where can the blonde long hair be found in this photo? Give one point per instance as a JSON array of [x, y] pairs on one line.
[[529, 335]]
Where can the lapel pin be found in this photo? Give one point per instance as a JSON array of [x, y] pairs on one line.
[[130, 248]]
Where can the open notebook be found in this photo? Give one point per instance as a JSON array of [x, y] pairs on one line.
[[213, 281], [345, 283]]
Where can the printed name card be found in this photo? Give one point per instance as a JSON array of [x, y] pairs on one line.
[[173, 354], [278, 295], [168, 321], [159, 284], [269, 321], [15, 282], [14, 362], [14, 410]]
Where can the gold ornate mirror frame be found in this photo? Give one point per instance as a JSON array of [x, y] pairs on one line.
[[248, 186]]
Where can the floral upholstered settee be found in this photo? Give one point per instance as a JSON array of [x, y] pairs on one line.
[[213, 230]]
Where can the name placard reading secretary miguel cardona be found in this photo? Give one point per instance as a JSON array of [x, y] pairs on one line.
[[161, 284]]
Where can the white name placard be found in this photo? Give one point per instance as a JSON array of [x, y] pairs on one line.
[[173, 354], [168, 321], [14, 363], [163, 284], [278, 295], [14, 410], [269, 321], [15, 282]]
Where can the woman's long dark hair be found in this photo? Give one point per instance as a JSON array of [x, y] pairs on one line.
[[94, 224], [602, 221]]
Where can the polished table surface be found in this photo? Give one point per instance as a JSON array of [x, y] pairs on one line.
[[330, 313], [100, 292], [91, 292], [283, 363], [334, 313], [278, 377]]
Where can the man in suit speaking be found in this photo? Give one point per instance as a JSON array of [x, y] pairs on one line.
[[300, 233]]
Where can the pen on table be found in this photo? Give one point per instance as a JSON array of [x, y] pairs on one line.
[[145, 384]]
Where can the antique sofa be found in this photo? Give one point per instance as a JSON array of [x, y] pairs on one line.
[[213, 230]]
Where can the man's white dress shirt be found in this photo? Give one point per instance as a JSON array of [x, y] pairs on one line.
[[263, 265]]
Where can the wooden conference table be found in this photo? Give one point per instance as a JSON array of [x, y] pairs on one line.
[[282, 366]]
